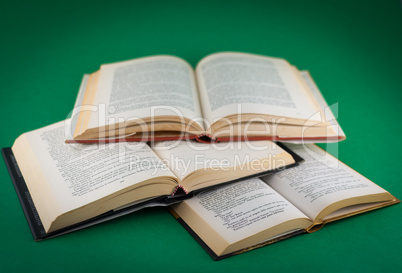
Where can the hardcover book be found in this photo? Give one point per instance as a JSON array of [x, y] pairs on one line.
[[229, 97], [64, 187], [239, 217]]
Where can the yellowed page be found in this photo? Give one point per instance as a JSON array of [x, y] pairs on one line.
[[186, 157], [320, 181], [230, 83], [64, 177], [239, 211], [145, 87]]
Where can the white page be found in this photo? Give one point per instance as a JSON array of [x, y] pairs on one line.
[[239, 210], [77, 174], [146, 87], [259, 84], [319, 181]]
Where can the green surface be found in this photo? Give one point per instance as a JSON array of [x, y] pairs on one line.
[[352, 49]]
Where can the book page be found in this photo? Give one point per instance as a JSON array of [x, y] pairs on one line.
[[320, 181], [146, 87], [237, 211], [260, 85], [186, 157], [77, 174], [327, 111]]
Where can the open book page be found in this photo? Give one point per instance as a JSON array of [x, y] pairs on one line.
[[64, 177], [146, 87], [323, 181], [237, 211], [261, 85], [354, 209], [78, 107], [232, 160], [327, 115]]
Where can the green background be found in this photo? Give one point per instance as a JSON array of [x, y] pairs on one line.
[[353, 50]]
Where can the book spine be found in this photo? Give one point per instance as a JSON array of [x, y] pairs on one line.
[[32, 216], [178, 187]]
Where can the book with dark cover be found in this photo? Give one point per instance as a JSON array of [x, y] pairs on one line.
[[235, 218], [213, 254], [33, 219], [35, 224]]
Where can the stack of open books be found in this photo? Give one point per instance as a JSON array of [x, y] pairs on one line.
[[154, 132]]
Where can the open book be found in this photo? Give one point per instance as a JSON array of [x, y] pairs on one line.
[[229, 96], [242, 216], [69, 184]]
